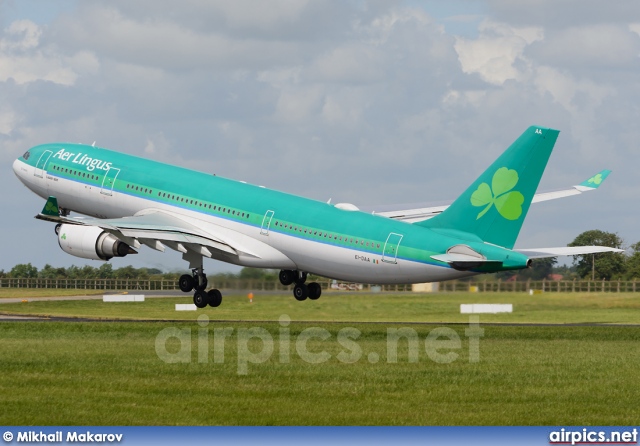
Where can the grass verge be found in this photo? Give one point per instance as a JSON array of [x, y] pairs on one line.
[[110, 374], [25, 293], [610, 308]]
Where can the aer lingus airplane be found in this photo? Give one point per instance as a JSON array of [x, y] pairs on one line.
[[133, 201]]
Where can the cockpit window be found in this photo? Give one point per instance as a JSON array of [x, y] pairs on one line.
[[26, 155]]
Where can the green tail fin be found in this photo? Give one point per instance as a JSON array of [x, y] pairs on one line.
[[494, 207]]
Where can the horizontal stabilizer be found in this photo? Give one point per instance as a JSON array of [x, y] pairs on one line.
[[463, 262], [541, 253]]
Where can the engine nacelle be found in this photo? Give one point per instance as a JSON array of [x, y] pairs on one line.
[[91, 242]]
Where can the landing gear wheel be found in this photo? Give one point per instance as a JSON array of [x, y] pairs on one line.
[[315, 290], [200, 299], [286, 277], [300, 277], [300, 291], [215, 297], [186, 283], [203, 283]]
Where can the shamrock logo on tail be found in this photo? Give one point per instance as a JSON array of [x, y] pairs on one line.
[[51, 208], [507, 202], [595, 180]]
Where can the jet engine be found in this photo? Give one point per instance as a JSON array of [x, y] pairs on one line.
[[91, 242]]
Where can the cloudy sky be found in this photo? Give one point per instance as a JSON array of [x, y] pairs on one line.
[[368, 102]]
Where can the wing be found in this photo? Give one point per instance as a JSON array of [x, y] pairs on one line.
[[192, 237], [542, 253], [425, 213]]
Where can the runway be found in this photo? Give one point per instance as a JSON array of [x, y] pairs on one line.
[[31, 318], [155, 295]]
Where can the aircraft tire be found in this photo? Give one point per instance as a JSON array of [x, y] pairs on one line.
[[185, 283], [300, 291], [200, 299], [215, 298], [315, 290], [286, 277]]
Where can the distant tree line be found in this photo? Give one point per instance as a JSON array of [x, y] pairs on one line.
[[607, 266], [106, 271], [604, 266]]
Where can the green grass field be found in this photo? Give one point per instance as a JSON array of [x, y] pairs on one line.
[[110, 373], [87, 373], [614, 308]]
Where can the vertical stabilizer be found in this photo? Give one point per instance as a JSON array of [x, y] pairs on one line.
[[494, 207]]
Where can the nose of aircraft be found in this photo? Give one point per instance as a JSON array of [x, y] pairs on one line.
[[16, 167]]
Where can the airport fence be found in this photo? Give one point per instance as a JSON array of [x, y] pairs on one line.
[[141, 285], [563, 286], [560, 286]]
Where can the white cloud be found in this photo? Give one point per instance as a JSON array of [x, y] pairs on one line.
[[158, 40], [276, 19], [600, 45], [345, 107], [8, 121], [554, 14], [23, 59], [351, 63], [298, 103], [21, 35], [565, 89], [495, 53]]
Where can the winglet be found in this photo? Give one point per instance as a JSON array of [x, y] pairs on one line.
[[51, 208], [595, 181]]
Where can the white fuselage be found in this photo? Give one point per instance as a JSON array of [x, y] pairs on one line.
[[271, 248]]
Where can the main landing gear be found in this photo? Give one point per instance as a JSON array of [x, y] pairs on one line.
[[198, 281], [300, 290]]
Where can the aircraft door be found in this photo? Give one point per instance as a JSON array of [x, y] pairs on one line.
[[109, 181], [390, 250], [42, 163], [266, 223]]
